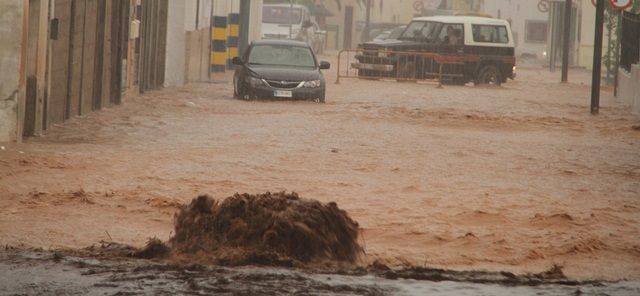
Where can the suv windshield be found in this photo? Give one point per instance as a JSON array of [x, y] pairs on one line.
[[281, 15], [395, 34], [422, 31], [281, 55]]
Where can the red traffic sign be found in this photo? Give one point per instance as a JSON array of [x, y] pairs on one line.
[[621, 4], [418, 5], [617, 4], [543, 6]]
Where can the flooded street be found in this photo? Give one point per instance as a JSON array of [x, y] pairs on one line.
[[43, 274], [514, 178]]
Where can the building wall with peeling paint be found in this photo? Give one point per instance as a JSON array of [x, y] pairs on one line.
[[11, 18]]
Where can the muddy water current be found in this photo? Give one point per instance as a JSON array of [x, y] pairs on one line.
[[46, 273]]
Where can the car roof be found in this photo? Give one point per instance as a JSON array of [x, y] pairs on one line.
[[463, 19], [280, 42]]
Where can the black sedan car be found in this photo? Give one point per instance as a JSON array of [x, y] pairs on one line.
[[279, 69]]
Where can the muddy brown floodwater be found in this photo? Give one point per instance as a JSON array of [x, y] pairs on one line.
[[47, 273], [516, 178]]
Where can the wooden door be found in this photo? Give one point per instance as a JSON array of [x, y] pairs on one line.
[[57, 104]]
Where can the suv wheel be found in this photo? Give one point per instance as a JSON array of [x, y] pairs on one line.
[[489, 74]]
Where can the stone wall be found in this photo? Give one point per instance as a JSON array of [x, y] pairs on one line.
[[11, 20]]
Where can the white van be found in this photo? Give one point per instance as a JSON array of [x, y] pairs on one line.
[[284, 21]]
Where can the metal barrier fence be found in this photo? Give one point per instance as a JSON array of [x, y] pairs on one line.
[[381, 64]]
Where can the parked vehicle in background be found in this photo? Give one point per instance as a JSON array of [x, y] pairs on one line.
[[371, 31], [390, 34], [279, 69], [476, 49], [285, 21], [320, 39]]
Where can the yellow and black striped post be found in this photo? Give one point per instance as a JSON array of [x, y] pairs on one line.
[[219, 54], [232, 39]]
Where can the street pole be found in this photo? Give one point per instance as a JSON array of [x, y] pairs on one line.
[[291, 20], [566, 41], [367, 29], [597, 58], [617, 54], [245, 22], [211, 11]]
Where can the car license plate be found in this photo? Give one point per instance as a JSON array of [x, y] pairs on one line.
[[283, 93]]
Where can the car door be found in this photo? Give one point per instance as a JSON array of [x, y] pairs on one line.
[[451, 39], [451, 45]]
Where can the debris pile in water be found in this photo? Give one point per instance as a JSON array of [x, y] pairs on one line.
[[268, 228]]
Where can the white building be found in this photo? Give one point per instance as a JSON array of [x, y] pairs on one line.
[[528, 22]]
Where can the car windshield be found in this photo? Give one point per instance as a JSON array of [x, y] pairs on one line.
[[395, 34], [383, 36], [282, 55], [425, 31], [281, 15]]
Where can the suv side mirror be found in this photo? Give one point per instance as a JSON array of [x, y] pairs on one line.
[[237, 61], [307, 24], [325, 65]]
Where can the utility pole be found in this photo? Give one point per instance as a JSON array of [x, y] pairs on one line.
[[617, 54], [367, 21], [291, 20], [597, 58], [245, 21], [565, 40]]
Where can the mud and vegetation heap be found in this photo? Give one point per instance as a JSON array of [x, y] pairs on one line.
[[265, 228]]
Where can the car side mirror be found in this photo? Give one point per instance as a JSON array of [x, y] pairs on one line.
[[325, 65], [237, 61], [307, 24]]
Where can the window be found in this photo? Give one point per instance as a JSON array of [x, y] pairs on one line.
[[281, 15], [282, 55], [535, 32], [490, 34], [422, 31], [412, 30], [451, 34], [396, 32], [429, 31]]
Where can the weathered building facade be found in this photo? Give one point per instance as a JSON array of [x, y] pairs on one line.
[[65, 58], [12, 66], [529, 23]]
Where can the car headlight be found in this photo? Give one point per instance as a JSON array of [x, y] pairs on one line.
[[253, 81], [313, 84]]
